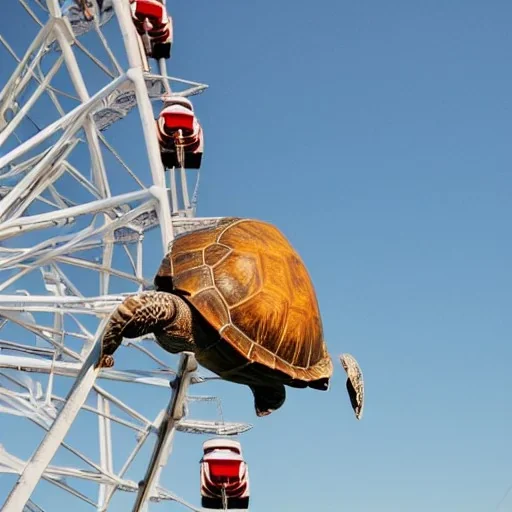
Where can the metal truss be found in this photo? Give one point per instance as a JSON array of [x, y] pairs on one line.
[[86, 212]]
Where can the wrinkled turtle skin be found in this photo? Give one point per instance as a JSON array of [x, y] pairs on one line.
[[237, 295]]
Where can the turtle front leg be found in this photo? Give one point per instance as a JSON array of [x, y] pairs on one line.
[[144, 313]]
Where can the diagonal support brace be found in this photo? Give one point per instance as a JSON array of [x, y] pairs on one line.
[[173, 414]]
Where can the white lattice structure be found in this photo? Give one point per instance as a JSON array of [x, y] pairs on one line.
[[85, 213]]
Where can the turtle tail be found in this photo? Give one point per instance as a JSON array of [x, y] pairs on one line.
[[321, 373], [320, 384]]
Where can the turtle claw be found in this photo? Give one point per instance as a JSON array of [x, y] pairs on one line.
[[355, 383], [106, 361]]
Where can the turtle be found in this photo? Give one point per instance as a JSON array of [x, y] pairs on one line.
[[238, 296]]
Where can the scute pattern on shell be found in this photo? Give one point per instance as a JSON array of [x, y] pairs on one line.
[[248, 282]]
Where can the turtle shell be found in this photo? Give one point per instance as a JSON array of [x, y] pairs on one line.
[[248, 282]]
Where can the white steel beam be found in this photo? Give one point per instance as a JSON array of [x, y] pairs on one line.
[[41, 458], [79, 112], [17, 77], [20, 115], [65, 369], [44, 220], [135, 73], [105, 441], [174, 413], [99, 172], [45, 172], [46, 300]]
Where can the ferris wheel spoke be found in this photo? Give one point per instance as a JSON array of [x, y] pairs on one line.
[[13, 124], [71, 122], [23, 71]]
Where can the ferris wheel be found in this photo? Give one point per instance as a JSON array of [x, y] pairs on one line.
[[100, 155]]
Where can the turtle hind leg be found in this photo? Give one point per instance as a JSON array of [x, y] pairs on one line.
[[145, 313], [268, 399]]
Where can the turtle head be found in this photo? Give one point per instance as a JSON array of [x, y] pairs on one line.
[[268, 399]]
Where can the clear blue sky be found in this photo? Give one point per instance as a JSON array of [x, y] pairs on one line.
[[376, 135]]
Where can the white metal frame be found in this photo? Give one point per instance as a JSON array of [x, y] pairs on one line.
[[36, 164]]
